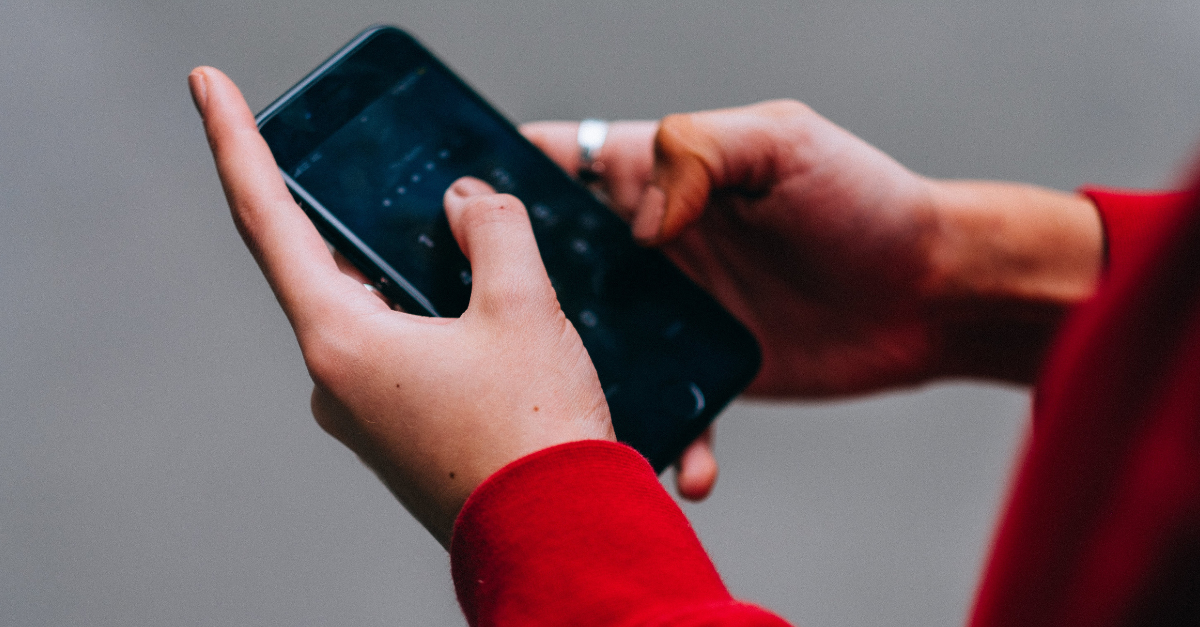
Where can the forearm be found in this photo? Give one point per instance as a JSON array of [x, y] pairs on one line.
[[1009, 261]]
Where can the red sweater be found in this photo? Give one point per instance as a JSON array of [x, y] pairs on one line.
[[1102, 527]]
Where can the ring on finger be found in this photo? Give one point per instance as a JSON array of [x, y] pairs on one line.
[[591, 136]]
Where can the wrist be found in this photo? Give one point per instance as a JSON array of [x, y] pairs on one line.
[[1007, 263]]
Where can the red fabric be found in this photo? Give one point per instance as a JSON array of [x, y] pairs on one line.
[[1102, 527], [583, 534], [1130, 219]]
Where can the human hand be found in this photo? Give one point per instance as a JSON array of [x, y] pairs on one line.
[[814, 239], [854, 273], [730, 256], [433, 405]]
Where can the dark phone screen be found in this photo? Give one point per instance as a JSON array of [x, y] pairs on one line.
[[383, 175], [667, 356]]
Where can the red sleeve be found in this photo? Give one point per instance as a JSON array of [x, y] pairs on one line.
[[1130, 218], [583, 534], [1103, 525]]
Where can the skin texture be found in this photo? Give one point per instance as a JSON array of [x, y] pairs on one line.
[[854, 273], [434, 406], [847, 266]]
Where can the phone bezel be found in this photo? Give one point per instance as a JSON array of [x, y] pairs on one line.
[[394, 285], [382, 275]]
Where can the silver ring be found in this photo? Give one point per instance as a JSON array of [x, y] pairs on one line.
[[591, 136]]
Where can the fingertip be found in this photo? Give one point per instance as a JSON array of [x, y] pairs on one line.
[[460, 193], [467, 187], [220, 102], [476, 212], [648, 220], [208, 79], [696, 486], [697, 471], [198, 86]]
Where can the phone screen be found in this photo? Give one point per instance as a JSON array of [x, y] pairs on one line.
[[374, 148], [383, 175]]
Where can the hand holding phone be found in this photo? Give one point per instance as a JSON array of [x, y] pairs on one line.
[[434, 405], [854, 273], [818, 241], [368, 143]]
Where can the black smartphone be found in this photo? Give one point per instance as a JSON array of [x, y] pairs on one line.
[[370, 141]]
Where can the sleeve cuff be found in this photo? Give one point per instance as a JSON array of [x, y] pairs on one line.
[[1132, 219], [577, 534]]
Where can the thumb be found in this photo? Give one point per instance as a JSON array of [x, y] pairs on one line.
[[494, 233], [696, 470], [685, 155], [744, 149]]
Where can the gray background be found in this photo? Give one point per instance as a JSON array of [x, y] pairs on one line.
[[158, 465]]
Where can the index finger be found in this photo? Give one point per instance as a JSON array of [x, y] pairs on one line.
[[286, 245], [624, 164], [557, 139]]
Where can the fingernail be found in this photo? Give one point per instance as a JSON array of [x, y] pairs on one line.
[[647, 223], [467, 187], [199, 88]]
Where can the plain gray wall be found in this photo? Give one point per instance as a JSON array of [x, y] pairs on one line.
[[158, 465]]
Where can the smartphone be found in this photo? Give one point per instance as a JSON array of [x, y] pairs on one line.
[[369, 142]]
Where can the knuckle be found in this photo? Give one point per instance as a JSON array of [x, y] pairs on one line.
[[535, 132], [785, 108], [792, 119], [674, 135], [332, 357], [515, 295]]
